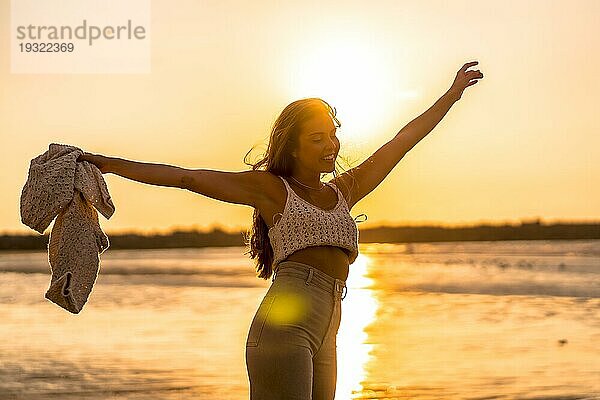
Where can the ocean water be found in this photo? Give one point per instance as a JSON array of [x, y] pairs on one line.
[[460, 320]]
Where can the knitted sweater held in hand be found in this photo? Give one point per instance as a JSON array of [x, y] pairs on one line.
[[60, 186]]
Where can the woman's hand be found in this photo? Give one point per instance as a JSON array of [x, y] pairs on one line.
[[465, 79], [99, 161]]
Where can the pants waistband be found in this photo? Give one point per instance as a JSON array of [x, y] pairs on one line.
[[313, 274]]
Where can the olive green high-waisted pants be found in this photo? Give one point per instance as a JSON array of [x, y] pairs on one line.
[[291, 343]]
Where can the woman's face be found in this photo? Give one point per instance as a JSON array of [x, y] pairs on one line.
[[318, 145]]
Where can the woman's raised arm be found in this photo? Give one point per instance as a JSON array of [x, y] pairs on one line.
[[370, 173], [245, 187]]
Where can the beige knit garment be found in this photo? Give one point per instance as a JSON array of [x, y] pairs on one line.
[[60, 186]]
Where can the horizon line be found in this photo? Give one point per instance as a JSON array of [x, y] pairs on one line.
[[433, 224]]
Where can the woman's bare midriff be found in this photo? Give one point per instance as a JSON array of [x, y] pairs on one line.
[[329, 259]]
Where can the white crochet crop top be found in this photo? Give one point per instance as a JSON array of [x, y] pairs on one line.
[[303, 224]]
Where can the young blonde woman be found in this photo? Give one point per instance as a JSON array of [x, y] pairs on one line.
[[303, 236]]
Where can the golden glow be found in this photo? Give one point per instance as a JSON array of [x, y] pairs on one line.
[[352, 76], [288, 309], [358, 311]]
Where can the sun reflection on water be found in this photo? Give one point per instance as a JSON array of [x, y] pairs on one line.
[[358, 311]]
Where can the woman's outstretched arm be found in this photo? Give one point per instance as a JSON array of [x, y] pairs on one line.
[[233, 187], [153, 174], [370, 173]]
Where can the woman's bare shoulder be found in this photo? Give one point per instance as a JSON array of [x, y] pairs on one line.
[[273, 195], [271, 184], [267, 178]]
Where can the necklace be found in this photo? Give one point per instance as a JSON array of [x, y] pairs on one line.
[[306, 186]]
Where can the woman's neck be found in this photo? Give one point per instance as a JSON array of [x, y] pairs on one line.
[[308, 179]]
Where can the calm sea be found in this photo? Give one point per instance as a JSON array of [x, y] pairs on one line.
[[461, 320]]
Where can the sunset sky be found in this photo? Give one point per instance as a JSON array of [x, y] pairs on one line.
[[523, 143]]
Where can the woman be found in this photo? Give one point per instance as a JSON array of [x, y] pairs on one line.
[[303, 235]]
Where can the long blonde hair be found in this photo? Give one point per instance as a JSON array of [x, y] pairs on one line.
[[279, 161]]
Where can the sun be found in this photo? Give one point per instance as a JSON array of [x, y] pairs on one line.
[[352, 76]]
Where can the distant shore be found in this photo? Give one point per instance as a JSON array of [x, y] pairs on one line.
[[384, 234]]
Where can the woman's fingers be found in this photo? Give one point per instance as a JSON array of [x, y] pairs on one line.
[[470, 75], [84, 157], [465, 78], [469, 64]]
